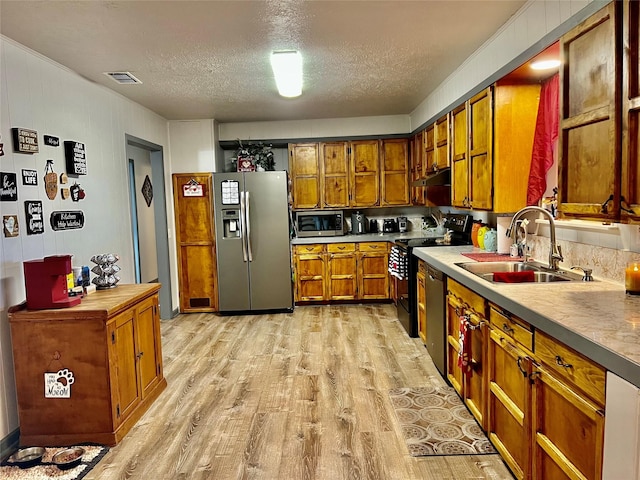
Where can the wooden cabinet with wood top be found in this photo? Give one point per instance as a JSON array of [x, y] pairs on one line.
[[342, 283], [334, 174], [421, 300], [195, 238], [310, 272], [98, 363], [373, 273]]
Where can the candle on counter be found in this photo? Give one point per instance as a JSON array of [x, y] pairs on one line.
[[632, 279]]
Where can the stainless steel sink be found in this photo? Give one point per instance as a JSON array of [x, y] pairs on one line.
[[485, 270]]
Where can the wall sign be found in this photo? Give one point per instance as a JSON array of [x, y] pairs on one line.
[[77, 192], [33, 216], [50, 180], [25, 140], [193, 189], [8, 187], [10, 225], [67, 220], [74, 154], [147, 190], [1, 147], [58, 384], [51, 141], [29, 177]]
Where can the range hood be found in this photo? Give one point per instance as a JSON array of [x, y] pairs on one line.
[[434, 178]]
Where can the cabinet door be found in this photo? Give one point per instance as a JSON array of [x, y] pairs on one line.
[[568, 429], [590, 147], [373, 273], [127, 391], [341, 272], [454, 372], [365, 173], [149, 350], [195, 239], [630, 210], [459, 158], [442, 154], [305, 175], [422, 301], [475, 384], [418, 157], [395, 172], [480, 112], [509, 402], [310, 274], [334, 167]]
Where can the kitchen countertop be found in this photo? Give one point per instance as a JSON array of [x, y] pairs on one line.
[[595, 318], [365, 237]]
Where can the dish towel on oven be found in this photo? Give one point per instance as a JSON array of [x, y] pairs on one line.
[[397, 263], [464, 354]]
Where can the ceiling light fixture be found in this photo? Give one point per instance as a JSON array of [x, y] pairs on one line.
[[545, 64], [287, 69]]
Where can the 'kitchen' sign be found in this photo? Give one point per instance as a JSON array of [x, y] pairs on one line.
[[67, 220]]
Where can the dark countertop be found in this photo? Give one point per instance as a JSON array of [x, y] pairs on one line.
[[595, 318]]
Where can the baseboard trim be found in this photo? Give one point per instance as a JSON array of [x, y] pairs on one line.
[[9, 444]]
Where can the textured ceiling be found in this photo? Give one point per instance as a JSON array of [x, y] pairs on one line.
[[210, 59]]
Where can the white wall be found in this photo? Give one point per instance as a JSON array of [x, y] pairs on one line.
[[37, 94], [192, 145]]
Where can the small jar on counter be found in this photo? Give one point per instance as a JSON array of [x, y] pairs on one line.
[[632, 278]]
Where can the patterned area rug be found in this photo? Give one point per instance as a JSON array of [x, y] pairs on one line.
[[47, 470], [436, 422]]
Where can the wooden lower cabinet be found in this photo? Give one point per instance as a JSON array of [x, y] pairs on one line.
[[471, 386], [421, 299], [341, 271], [107, 351]]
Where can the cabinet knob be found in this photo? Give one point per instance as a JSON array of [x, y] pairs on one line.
[[561, 363], [507, 329]]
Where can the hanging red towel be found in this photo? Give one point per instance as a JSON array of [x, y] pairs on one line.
[[544, 139], [464, 354]]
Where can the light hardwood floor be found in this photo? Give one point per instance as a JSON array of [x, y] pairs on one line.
[[285, 396]]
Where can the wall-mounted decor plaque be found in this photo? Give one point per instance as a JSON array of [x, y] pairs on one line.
[[33, 216], [8, 187], [75, 155], [25, 140], [29, 177], [10, 225], [67, 220], [51, 141], [147, 190]]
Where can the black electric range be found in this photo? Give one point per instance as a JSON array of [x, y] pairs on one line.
[[406, 286]]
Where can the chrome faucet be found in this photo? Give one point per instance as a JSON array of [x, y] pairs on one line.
[[555, 252]]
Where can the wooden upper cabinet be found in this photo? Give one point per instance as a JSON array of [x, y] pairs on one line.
[[459, 158], [334, 168], [365, 173], [590, 137], [195, 242], [441, 143], [479, 111], [418, 157], [304, 168], [630, 210], [395, 172]]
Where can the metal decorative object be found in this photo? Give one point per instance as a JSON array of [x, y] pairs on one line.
[[105, 270]]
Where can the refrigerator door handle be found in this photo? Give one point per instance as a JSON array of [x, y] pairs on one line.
[[243, 227], [248, 226]]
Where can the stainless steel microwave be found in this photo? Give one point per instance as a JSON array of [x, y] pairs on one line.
[[324, 223]]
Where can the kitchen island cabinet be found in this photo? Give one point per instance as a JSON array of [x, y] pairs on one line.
[[89, 372]]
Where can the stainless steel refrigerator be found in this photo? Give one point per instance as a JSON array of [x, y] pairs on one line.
[[252, 241]]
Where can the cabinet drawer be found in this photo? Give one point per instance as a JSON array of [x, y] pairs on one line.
[[373, 247], [302, 249], [472, 299], [341, 247], [570, 365], [422, 267], [512, 326]]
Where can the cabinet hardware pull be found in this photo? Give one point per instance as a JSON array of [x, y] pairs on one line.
[[341, 248], [507, 329], [533, 376], [561, 363], [605, 207], [522, 370], [628, 209]]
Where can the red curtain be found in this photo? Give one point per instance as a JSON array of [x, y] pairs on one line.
[[545, 136]]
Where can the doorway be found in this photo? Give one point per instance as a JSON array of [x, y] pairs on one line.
[[147, 203]]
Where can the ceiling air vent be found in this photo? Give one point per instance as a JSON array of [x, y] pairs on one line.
[[123, 78]]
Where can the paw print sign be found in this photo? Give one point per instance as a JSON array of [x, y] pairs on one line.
[[58, 384]]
